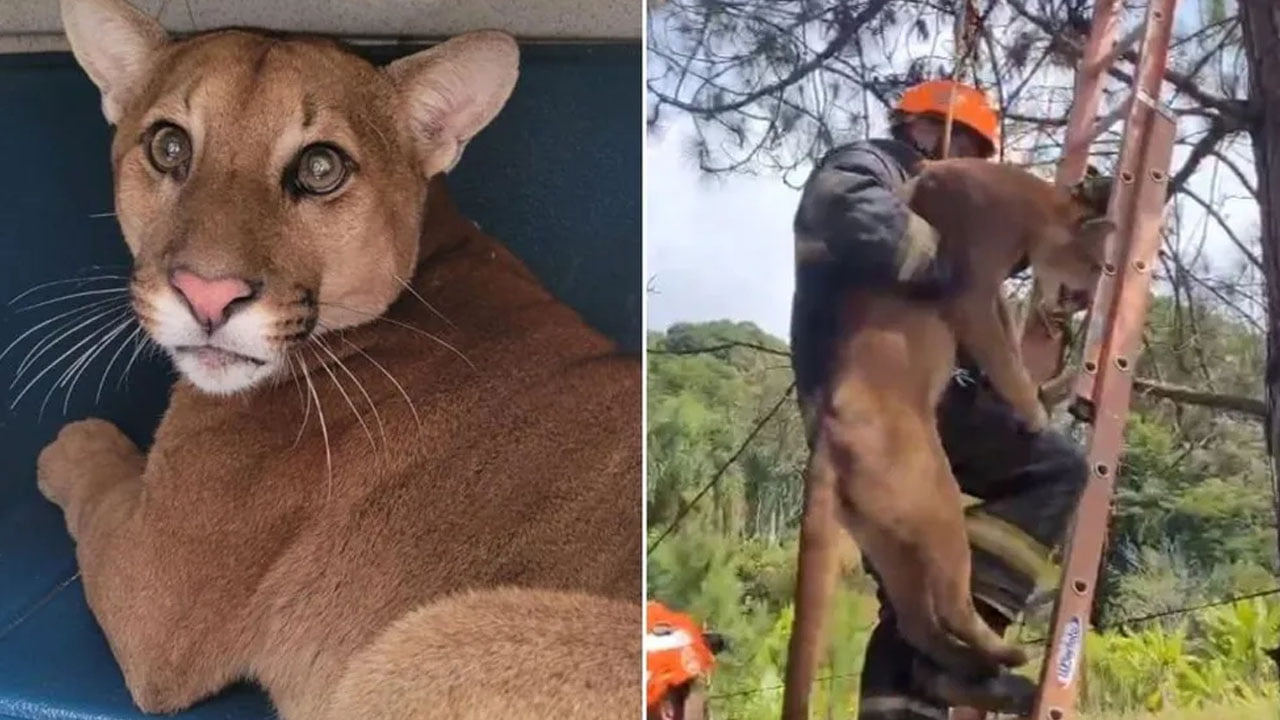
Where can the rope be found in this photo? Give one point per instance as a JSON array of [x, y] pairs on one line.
[[967, 19], [684, 511], [773, 688], [1122, 622]]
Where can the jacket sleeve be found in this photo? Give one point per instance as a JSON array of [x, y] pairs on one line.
[[849, 205]]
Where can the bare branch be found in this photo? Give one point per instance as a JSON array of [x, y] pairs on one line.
[[846, 32], [1253, 408], [1184, 84]]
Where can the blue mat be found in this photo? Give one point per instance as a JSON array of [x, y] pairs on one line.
[[556, 177]]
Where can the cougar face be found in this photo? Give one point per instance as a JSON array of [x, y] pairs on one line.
[[1069, 259], [271, 188], [266, 195]]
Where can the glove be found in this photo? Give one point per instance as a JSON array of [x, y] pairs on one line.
[[918, 249]]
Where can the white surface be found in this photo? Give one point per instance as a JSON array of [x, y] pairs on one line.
[[33, 25]]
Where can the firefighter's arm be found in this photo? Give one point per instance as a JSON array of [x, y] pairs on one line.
[[854, 214]]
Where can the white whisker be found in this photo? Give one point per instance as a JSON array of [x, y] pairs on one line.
[[97, 398], [88, 355], [345, 396], [142, 342], [390, 377], [76, 365], [53, 365], [55, 318], [72, 296], [51, 340], [90, 278], [411, 328], [306, 410], [430, 307], [102, 345], [293, 375], [324, 431], [382, 430]]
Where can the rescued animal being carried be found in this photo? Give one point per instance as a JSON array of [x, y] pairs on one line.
[[877, 463], [292, 250]]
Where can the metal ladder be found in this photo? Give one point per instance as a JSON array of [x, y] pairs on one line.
[[1115, 321]]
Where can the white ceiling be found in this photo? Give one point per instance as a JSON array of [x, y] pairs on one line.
[[33, 25]]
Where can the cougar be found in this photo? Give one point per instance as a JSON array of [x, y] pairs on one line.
[[378, 406], [877, 464]]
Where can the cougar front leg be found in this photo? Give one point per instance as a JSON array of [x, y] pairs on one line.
[[981, 325], [94, 473], [1058, 388]]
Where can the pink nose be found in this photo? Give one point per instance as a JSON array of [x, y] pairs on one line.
[[209, 299]]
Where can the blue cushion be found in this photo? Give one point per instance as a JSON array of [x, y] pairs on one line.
[[556, 177]]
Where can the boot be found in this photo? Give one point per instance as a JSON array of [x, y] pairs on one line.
[[1004, 692]]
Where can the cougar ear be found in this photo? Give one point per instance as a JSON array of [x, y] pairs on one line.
[[1092, 236], [116, 45], [452, 91]]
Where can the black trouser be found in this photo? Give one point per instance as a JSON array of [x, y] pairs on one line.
[[1028, 485]]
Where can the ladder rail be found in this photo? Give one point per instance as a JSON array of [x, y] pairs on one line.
[[1139, 218], [1115, 322], [1148, 79], [1042, 344], [1100, 53]]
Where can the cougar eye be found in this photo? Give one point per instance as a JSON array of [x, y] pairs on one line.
[[321, 169], [169, 149]]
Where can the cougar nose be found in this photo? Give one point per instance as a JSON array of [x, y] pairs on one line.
[[211, 301]]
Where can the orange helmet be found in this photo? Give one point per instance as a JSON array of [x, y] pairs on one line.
[[972, 110], [675, 649]]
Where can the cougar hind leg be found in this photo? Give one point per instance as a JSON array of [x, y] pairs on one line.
[[918, 622], [905, 510], [950, 573], [961, 620], [904, 576]]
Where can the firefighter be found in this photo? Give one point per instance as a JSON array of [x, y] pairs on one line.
[[852, 231], [678, 656]]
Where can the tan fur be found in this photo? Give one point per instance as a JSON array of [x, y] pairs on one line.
[[878, 465], [278, 533], [508, 653]]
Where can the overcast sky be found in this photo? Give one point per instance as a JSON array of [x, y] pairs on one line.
[[717, 248]]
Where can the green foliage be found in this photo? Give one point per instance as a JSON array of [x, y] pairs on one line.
[[702, 407], [1192, 524], [1216, 658]]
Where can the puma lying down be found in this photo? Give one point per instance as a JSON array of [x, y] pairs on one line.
[[381, 418], [878, 465]]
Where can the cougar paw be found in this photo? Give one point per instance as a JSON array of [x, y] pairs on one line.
[[1013, 656], [1056, 390], [80, 448], [1035, 418], [1042, 597], [1000, 693]]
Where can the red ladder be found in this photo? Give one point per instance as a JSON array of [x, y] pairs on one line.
[[1116, 317]]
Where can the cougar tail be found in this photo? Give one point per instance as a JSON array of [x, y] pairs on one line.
[[499, 653], [815, 581]]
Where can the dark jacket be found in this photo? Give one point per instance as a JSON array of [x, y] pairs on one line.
[[848, 232]]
